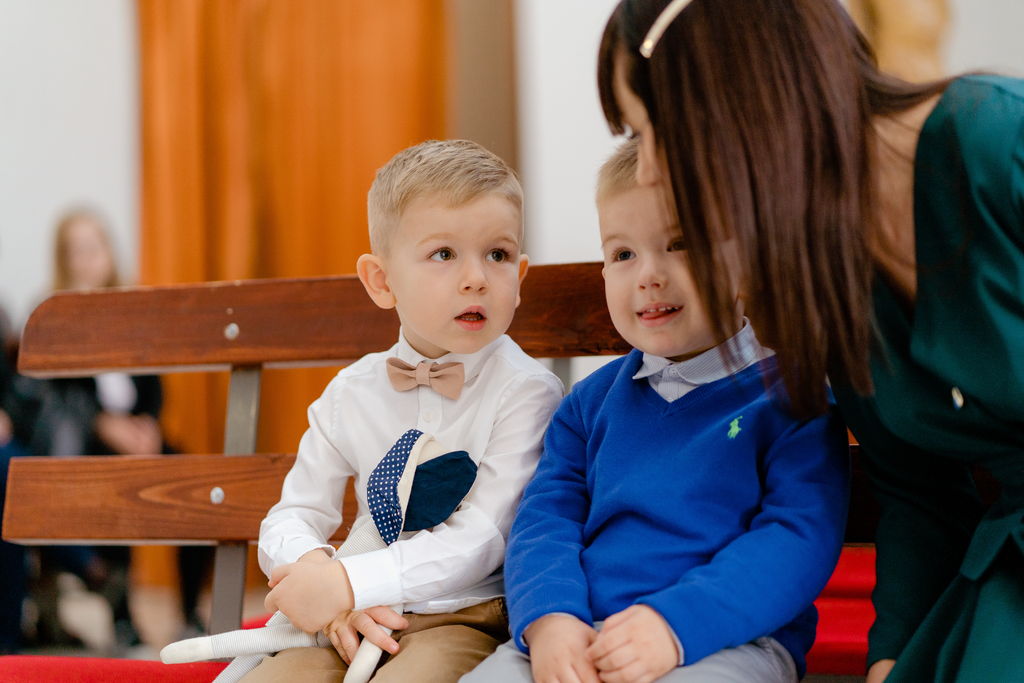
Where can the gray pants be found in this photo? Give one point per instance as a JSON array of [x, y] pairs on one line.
[[761, 661]]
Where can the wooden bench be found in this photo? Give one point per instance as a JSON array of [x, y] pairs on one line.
[[245, 327]]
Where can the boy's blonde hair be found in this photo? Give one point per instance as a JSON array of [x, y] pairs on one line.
[[618, 173], [457, 171]]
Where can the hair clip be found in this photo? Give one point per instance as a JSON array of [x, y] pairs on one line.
[[667, 16]]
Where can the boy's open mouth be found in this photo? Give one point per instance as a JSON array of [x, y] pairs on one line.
[[655, 312], [472, 319]]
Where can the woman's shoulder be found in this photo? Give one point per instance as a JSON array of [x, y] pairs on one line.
[[987, 85], [972, 144], [983, 108]]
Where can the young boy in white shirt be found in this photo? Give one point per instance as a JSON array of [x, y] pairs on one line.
[[446, 227]]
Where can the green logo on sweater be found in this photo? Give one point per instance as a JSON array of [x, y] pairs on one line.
[[734, 428]]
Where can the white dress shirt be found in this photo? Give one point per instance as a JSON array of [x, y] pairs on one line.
[[499, 419]]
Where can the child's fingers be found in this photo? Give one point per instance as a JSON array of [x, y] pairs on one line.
[[585, 672], [385, 616], [373, 632], [616, 619], [633, 673], [270, 602], [345, 641], [278, 574], [614, 660], [623, 618], [606, 642], [338, 647]]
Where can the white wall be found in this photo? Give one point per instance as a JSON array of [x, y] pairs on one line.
[[988, 35], [68, 132], [562, 132]]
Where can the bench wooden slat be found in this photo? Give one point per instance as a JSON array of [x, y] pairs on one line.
[[134, 500], [282, 321]]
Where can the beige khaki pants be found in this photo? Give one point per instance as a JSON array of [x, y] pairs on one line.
[[436, 648]]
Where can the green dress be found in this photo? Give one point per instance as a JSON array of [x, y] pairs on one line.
[[949, 395]]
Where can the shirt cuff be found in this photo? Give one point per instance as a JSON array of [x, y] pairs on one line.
[[293, 550], [679, 646], [375, 579]]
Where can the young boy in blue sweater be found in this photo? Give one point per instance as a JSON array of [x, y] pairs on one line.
[[680, 523]]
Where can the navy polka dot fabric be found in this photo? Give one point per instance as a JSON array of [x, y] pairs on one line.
[[382, 487]]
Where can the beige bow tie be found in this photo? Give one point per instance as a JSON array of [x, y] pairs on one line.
[[444, 378]]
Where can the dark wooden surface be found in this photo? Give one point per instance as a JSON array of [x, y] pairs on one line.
[[283, 321], [144, 499]]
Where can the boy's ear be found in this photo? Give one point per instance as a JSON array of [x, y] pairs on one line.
[[524, 265], [371, 272]]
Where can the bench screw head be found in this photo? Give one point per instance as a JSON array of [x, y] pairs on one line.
[[231, 331], [216, 495]]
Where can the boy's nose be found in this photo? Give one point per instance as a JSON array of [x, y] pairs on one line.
[[652, 276], [473, 278]]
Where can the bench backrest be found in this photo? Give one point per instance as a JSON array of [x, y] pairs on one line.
[[242, 327]]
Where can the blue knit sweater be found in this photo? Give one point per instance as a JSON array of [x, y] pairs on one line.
[[717, 510]]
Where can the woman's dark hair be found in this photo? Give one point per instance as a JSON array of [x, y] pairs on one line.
[[763, 110]]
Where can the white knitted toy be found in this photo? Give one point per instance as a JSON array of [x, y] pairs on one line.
[[417, 485]]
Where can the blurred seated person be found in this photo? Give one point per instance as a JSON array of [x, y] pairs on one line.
[[112, 413], [15, 415]]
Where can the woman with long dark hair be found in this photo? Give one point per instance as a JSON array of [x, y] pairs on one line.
[[880, 226]]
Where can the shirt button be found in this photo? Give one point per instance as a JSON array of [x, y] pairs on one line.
[[428, 416], [958, 398]]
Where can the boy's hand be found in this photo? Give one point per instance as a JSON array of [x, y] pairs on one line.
[[310, 593], [342, 631], [635, 646], [558, 650], [316, 555]]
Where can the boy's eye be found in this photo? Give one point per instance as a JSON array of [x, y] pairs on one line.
[[498, 255], [677, 245], [622, 254], [442, 254]]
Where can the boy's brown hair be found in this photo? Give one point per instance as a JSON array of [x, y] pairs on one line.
[[456, 171]]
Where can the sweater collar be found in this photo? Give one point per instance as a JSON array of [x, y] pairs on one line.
[[742, 349]]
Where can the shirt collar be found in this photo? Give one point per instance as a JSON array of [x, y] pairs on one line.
[[471, 362], [709, 366]]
